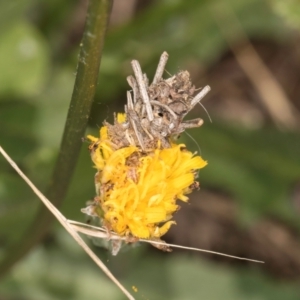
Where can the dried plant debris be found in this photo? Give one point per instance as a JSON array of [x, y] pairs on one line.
[[155, 113], [141, 171]]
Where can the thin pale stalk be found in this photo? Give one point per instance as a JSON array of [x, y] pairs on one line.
[[160, 68], [64, 222], [142, 87], [200, 96], [100, 233]]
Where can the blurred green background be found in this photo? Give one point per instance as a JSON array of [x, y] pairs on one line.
[[249, 202]]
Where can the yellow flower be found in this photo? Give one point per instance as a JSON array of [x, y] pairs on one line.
[[137, 190], [141, 172]]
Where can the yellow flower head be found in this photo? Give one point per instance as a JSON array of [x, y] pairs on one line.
[[138, 190], [141, 172]]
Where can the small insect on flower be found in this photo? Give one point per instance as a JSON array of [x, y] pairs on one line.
[[141, 171]]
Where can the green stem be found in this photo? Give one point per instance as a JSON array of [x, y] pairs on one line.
[[79, 111]]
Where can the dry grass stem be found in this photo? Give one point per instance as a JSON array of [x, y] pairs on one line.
[[272, 95], [64, 222]]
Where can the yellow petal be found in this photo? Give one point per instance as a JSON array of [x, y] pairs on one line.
[[121, 118], [160, 231]]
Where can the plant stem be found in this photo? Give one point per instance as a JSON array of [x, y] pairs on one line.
[[78, 114]]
